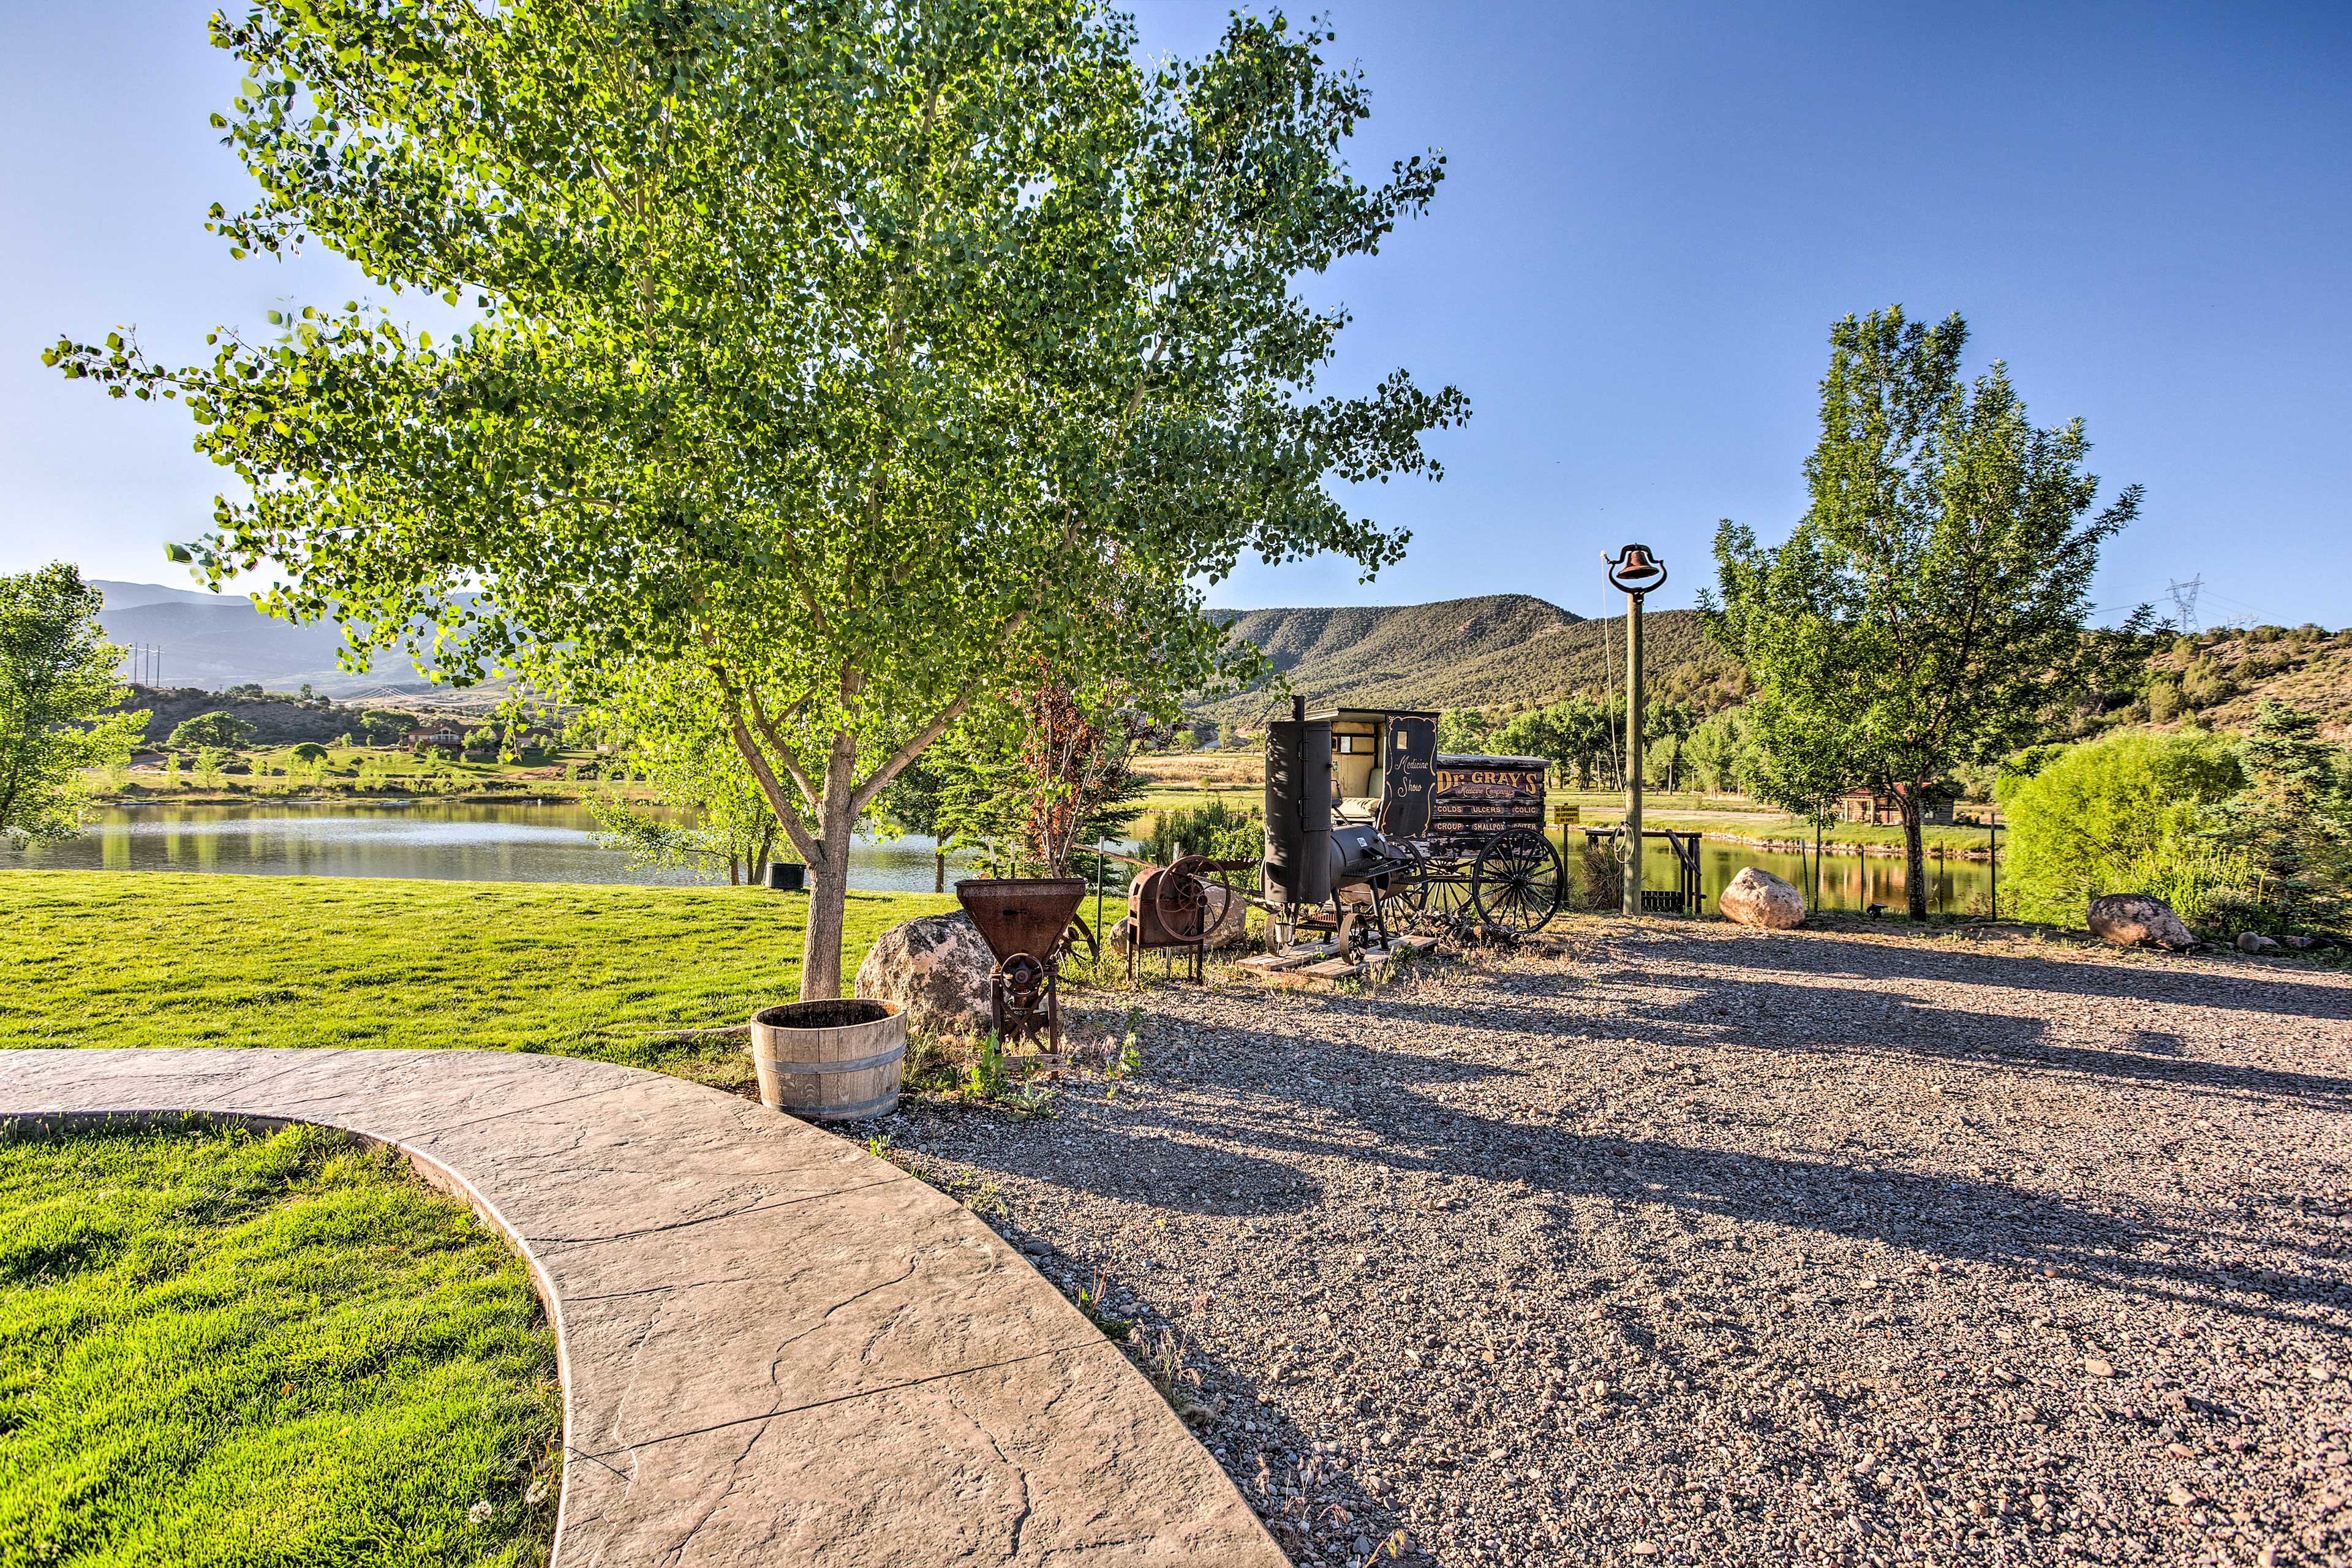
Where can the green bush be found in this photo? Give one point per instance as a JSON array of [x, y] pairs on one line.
[[2122, 813], [1220, 831]]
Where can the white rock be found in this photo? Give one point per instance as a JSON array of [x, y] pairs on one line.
[[1758, 898], [2254, 942], [2129, 919], [937, 968]]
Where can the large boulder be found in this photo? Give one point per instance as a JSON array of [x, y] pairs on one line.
[[2129, 920], [935, 967], [1758, 898]]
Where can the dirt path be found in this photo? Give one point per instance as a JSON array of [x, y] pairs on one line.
[[1695, 1245]]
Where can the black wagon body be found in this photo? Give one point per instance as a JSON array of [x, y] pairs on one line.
[[1361, 798]]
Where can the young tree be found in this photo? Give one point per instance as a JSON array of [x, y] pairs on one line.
[[854, 355], [1717, 749], [1668, 725], [1804, 768], [56, 683], [1928, 608], [2293, 821]]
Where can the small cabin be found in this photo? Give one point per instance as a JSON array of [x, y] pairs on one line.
[[1886, 810]]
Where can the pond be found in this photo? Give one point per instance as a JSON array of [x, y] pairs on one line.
[[447, 841], [435, 839], [1848, 881]]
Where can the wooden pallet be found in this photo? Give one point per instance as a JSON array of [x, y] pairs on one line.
[[1323, 963]]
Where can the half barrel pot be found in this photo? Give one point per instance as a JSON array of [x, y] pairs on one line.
[[830, 1061]]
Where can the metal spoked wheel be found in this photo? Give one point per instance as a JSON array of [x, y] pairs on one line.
[[1516, 882], [1180, 900], [1443, 894]]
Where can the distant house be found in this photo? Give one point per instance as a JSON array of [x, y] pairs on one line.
[[440, 734], [1886, 810]]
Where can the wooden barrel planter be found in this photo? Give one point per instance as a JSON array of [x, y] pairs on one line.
[[830, 1061]]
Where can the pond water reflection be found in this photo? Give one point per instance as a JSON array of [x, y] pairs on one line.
[[1848, 881], [517, 843], [435, 840]]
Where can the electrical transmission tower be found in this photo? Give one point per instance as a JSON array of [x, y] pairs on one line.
[[2184, 601]]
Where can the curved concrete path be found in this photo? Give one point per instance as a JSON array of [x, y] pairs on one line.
[[776, 1349]]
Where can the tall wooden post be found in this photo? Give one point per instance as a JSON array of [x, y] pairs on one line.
[[1632, 754], [1636, 570]]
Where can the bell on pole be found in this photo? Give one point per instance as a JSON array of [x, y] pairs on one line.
[[1634, 571]]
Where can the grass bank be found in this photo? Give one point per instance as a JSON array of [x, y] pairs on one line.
[[218, 1348], [112, 958]]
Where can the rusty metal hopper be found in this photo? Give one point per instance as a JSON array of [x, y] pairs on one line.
[[1021, 915]]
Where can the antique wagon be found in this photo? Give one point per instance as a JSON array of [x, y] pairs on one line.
[[1362, 809]]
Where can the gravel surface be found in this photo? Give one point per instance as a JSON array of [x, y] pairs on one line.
[[1683, 1243]]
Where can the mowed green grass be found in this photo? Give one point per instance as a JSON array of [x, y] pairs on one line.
[[219, 1348], [110, 958]]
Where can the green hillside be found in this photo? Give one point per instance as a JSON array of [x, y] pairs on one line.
[[1510, 651], [1506, 650]]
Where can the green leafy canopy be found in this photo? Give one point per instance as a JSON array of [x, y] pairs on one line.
[[57, 682], [1928, 610], [825, 358]]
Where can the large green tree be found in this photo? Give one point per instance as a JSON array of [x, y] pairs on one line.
[[219, 729], [851, 352], [1928, 610], [57, 681]]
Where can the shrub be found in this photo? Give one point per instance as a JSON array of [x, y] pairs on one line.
[[2292, 822], [2205, 685], [2121, 814], [1218, 830]]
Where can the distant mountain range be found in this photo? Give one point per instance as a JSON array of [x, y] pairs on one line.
[[220, 640], [1506, 650]]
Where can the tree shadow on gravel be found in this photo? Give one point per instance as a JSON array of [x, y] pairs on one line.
[[1384, 1119], [2223, 984], [1876, 1023]]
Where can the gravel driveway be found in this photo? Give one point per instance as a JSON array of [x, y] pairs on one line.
[[1689, 1244]]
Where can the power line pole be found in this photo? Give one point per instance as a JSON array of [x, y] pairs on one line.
[[2184, 601]]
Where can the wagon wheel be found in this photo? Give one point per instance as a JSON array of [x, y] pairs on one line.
[[1516, 882], [1447, 892], [1179, 898]]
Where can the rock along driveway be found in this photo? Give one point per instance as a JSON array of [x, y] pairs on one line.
[[776, 1349]]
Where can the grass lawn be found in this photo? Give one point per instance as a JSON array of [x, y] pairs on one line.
[[113, 958], [218, 1348]]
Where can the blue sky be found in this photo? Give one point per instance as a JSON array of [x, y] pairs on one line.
[[1653, 214]]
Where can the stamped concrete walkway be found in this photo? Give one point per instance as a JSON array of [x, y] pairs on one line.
[[776, 1349]]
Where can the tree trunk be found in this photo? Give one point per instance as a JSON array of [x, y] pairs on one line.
[[1915, 857], [828, 900]]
